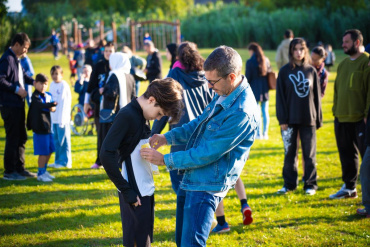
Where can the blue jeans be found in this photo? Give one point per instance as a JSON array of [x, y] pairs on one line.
[[176, 179], [266, 118], [199, 209], [365, 179], [62, 142]]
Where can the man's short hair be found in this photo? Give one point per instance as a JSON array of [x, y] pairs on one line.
[[288, 33], [42, 78], [224, 60], [21, 38], [355, 35], [168, 95]]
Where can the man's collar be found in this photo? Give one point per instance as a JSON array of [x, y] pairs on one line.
[[235, 94]]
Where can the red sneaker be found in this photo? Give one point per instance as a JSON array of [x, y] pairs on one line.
[[247, 215]]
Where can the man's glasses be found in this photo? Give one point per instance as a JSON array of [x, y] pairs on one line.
[[213, 82]]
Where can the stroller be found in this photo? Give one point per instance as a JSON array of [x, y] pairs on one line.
[[80, 121]]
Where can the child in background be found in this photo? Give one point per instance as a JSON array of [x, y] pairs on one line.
[[72, 67], [330, 58], [129, 131], [82, 83], [61, 118], [79, 57], [39, 121]]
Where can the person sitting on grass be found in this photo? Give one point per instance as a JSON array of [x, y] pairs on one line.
[[128, 132], [39, 121]]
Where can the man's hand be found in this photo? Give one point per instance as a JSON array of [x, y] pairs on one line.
[[284, 126], [22, 92], [138, 203], [87, 107], [101, 90], [152, 156], [157, 141]]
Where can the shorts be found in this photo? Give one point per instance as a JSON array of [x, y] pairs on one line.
[[137, 222], [43, 144]]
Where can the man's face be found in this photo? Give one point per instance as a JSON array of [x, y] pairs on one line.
[[349, 46], [151, 111], [108, 50], [20, 50], [221, 85]]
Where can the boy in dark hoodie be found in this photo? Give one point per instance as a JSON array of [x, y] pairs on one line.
[[39, 121]]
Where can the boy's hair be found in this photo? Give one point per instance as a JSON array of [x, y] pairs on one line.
[[20, 38], [109, 44], [319, 50], [168, 95], [42, 78], [56, 68]]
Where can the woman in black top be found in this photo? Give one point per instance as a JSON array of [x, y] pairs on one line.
[[298, 110]]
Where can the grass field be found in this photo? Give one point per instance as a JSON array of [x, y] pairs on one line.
[[80, 208]]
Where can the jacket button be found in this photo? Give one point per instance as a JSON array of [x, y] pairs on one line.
[[209, 126]]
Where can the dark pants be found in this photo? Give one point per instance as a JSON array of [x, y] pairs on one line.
[[365, 179], [55, 50], [97, 126], [137, 222], [180, 203], [350, 141], [16, 137], [290, 169]]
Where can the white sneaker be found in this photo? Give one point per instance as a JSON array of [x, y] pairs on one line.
[[69, 166], [44, 178], [266, 136], [310, 192], [283, 191], [56, 166], [49, 175], [344, 193]]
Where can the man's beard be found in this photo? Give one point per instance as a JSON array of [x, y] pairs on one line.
[[351, 51]]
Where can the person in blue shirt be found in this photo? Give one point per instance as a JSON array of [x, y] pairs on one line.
[[217, 145], [28, 68]]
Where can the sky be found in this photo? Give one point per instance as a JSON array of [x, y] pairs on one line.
[[14, 5]]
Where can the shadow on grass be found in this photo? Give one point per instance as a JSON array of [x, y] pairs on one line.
[[80, 242]]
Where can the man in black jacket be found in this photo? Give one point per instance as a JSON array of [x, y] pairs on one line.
[[12, 107], [153, 68]]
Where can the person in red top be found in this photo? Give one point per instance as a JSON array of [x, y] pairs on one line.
[[72, 67]]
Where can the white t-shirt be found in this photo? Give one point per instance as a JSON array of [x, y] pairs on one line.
[[61, 93], [142, 171]]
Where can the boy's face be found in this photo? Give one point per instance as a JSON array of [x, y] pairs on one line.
[[41, 87], [151, 111], [57, 76]]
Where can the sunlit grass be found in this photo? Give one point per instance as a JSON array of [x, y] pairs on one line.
[[80, 208]]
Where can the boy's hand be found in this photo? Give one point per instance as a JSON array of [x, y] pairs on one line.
[[53, 109], [157, 141], [138, 203], [101, 90], [152, 156]]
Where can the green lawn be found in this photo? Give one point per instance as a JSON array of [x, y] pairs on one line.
[[80, 208]]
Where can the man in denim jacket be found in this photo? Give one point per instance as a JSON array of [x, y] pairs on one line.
[[218, 144]]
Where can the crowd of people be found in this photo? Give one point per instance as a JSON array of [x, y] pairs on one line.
[[215, 113]]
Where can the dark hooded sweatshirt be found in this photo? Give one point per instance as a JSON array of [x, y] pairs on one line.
[[196, 96]]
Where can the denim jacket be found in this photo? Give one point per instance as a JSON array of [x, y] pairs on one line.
[[218, 145]]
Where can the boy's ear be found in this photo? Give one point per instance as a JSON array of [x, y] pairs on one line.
[[151, 100]]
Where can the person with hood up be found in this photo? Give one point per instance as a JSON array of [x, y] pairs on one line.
[[196, 96], [119, 88]]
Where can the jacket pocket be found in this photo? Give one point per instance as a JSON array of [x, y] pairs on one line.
[[356, 81]]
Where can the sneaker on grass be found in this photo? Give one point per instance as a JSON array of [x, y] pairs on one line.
[[247, 215], [44, 178], [13, 176], [27, 173], [363, 212], [283, 191], [221, 229], [344, 193], [49, 175], [310, 192]]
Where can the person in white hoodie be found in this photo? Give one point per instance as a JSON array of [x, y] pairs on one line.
[[61, 118], [282, 53]]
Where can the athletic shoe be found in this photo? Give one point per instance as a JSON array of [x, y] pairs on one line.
[[265, 136], [221, 229], [344, 193], [362, 211], [44, 178], [247, 215], [283, 191], [49, 175], [13, 176], [57, 166], [96, 166], [310, 192], [27, 173], [214, 224]]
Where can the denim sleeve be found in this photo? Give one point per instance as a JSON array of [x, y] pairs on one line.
[[234, 130], [181, 135]]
